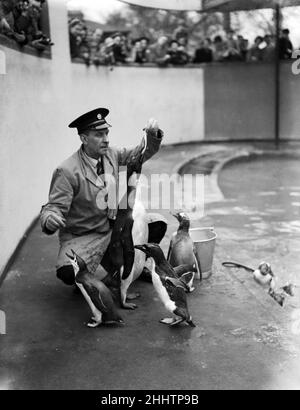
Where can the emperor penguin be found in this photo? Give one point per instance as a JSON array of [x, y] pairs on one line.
[[181, 249], [96, 294], [169, 287]]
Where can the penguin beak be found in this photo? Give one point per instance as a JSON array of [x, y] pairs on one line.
[[175, 215], [71, 256]]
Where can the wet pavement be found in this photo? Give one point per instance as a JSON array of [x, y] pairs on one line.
[[243, 339]]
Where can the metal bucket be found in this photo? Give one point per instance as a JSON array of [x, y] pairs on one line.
[[204, 241]]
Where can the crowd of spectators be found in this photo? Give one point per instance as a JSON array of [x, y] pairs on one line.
[[21, 21], [94, 47]]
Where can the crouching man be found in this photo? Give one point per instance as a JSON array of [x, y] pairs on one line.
[[76, 186]]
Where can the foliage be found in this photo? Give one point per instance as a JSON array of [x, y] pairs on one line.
[[152, 23]]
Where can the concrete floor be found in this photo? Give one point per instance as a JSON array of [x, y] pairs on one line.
[[243, 339]]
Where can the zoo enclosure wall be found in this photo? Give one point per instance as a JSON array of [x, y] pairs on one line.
[[39, 97]]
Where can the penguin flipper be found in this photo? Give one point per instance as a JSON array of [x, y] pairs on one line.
[[199, 273], [99, 294], [181, 269], [177, 293], [176, 282], [128, 249], [169, 251], [187, 279]]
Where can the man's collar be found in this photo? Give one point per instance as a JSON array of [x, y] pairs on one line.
[[92, 161]]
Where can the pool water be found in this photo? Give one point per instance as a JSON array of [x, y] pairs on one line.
[[259, 219], [267, 189]]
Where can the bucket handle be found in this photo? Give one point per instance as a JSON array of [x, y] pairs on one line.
[[205, 228]]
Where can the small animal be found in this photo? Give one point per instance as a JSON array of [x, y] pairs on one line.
[[181, 249], [169, 286], [289, 289], [95, 293], [278, 297], [264, 276]]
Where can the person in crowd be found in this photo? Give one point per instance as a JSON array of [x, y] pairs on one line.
[[135, 50], [75, 37], [243, 45], [285, 45], [119, 49], [176, 54], [268, 52], [20, 20], [159, 50], [142, 53], [28, 23], [232, 52], [181, 32], [203, 54], [107, 53], [84, 45], [7, 21], [220, 49], [255, 53], [95, 46]]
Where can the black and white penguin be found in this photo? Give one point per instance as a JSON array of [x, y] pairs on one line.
[[96, 294], [181, 249], [264, 276], [169, 287], [130, 228]]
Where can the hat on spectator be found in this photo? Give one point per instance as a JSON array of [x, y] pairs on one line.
[[74, 22], [116, 34], [144, 38], [109, 42], [92, 120]]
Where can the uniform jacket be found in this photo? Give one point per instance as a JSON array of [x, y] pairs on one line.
[[77, 192]]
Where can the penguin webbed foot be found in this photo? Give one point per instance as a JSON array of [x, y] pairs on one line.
[[113, 322], [167, 321], [133, 295], [93, 323], [171, 321], [129, 306]]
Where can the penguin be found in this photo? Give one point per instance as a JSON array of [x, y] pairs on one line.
[[130, 228], [185, 272], [264, 276], [181, 249], [95, 293], [169, 287], [139, 236]]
